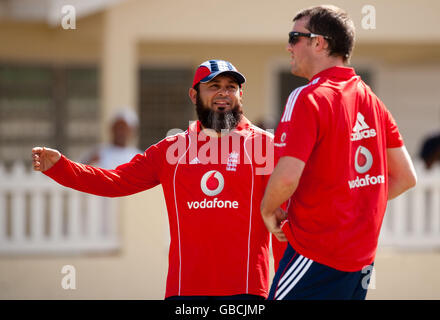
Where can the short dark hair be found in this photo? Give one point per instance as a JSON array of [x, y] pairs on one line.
[[333, 22]]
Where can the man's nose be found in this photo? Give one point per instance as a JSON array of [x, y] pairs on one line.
[[224, 91]]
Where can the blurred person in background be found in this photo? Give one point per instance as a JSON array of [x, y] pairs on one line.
[[430, 151], [123, 127]]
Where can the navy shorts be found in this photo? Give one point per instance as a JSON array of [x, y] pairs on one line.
[[300, 278]]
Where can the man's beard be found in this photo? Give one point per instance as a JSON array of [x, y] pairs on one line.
[[218, 120]]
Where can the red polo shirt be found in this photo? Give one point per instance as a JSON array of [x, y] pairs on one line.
[[341, 130]]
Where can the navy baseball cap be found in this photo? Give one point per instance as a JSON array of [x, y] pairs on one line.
[[210, 69]]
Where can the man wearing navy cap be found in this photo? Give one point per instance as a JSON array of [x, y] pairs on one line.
[[213, 177], [222, 113]]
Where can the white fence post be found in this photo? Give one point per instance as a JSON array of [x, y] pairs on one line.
[[55, 214], [434, 214], [418, 212], [73, 216], [111, 207], [37, 216], [3, 217], [18, 222], [399, 219], [94, 223]]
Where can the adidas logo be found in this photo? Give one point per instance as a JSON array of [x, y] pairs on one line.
[[360, 123], [195, 161], [361, 130]]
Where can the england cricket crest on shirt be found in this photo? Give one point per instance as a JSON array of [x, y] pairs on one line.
[[232, 161]]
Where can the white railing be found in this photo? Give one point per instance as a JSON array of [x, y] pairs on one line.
[[38, 216], [412, 220]]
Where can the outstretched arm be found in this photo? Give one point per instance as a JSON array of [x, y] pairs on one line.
[[141, 173]]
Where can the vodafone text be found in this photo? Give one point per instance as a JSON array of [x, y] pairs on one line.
[[368, 180], [215, 203]]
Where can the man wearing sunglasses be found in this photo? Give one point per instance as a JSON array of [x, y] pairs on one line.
[[340, 157]]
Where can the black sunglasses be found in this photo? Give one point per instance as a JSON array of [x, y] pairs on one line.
[[294, 36]]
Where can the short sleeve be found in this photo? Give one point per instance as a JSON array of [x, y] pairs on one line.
[[393, 136]]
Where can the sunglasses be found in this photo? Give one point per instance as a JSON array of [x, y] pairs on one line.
[[294, 36]]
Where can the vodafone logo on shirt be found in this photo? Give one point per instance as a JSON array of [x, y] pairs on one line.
[[212, 183], [282, 142], [363, 161]]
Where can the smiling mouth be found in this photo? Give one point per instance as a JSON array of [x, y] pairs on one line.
[[221, 105]]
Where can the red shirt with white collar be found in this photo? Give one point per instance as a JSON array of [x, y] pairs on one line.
[[341, 130], [213, 188]]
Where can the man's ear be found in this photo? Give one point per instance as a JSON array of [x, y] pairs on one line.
[[321, 43], [192, 93]]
